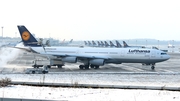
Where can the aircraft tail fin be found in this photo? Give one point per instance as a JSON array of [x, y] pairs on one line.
[[85, 43], [106, 44], [111, 44], [99, 44], [63, 41], [102, 44], [71, 41], [125, 44], [27, 38], [89, 43], [93, 43], [118, 44]]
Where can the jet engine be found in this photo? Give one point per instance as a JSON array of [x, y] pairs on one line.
[[69, 59], [99, 62]]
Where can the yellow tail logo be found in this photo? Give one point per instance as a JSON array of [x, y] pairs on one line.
[[25, 35]]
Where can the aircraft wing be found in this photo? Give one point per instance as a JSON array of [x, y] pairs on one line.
[[59, 55], [23, 48], [28, 49], [77, 55]]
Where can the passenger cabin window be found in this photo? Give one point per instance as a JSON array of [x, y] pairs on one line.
[[91, 52], [113, 53], [103, 52]]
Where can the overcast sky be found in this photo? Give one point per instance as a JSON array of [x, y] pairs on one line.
[[93, 19]]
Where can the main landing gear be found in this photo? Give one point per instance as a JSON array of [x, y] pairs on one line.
[[83, 66], [87, 66], [94, 66]]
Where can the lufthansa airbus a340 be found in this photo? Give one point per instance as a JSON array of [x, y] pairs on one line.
[[93, 57]]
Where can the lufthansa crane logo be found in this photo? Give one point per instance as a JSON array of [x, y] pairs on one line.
[[25, 35]]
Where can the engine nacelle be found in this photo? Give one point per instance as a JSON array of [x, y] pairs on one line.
[[99, 62], [69, 59]]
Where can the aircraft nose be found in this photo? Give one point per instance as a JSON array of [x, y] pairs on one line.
[[167, 57]]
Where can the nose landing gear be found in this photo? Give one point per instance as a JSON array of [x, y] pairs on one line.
[[152, 65]]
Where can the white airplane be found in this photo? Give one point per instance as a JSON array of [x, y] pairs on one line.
[[171, 46], [93, 57], [101, 44], [63, 43], [93, 44], [118, 45], [88, 43]]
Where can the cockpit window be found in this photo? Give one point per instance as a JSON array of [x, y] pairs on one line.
[[155, 48], [163, 53]]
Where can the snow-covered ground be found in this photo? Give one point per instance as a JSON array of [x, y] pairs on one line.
[[59, 93], [172, 80], [7, 54], [87, 94]]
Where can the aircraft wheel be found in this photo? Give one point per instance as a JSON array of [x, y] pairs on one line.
[[92, 66], [96, 67], [81, 66], [33, 72], [143, 64], [59, 66], [49, 66], [86, 66], [152, 67], [35, 66], [43, 72]]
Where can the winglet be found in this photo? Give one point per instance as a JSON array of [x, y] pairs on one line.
[[27, 38]]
